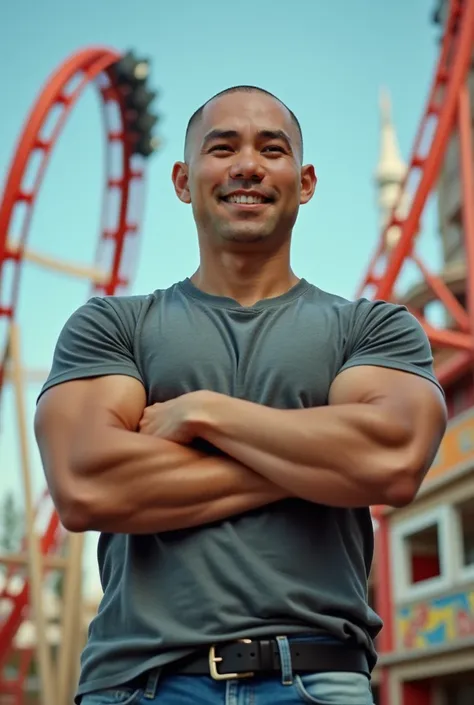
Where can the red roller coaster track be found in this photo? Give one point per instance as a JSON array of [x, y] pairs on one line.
[[56, 101], [447, 112]]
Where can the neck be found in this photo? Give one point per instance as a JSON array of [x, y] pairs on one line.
[[246, 279]]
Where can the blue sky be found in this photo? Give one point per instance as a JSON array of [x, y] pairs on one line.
[[327, 61]]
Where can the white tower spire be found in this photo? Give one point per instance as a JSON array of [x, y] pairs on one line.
[[390, 170]]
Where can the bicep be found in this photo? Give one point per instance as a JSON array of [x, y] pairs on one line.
[[409, 398], [71, 414]]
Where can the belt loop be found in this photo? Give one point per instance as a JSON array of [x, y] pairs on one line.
[[285, 660], [152, 684]]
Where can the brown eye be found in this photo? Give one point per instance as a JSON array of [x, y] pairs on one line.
[[221, 148], [274, 148]]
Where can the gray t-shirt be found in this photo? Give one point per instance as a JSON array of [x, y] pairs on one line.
[[289, 568]]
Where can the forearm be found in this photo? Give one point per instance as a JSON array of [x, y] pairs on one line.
[[342, 455], [141, 484]]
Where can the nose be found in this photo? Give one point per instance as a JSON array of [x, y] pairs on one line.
[[247, 166]]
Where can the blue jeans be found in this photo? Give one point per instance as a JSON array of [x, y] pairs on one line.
[[286, 688]]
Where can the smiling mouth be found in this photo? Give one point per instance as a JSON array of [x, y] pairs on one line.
[[241, 200]]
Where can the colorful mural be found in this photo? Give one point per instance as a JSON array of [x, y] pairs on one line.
[[435, 622], [457, 447]]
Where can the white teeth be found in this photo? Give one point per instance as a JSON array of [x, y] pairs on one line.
[[245, 199]]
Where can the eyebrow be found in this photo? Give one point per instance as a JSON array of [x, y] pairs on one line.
[[233, 134]]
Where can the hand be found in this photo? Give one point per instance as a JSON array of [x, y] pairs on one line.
[[175, 420]]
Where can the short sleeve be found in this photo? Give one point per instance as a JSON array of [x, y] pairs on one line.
[[388, 335], [95, 341]]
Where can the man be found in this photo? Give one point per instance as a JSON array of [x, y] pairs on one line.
[[227, 435]]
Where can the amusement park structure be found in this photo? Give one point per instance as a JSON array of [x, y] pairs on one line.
[[126, 99], [446, 127], [411, 589]]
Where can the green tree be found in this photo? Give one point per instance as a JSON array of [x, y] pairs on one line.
[[11, 524], [12, 530]]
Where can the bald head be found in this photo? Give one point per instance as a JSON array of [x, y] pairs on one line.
[[196, 117]]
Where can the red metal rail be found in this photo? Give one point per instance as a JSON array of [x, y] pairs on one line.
[[447, 110], [19, 598], [62, 91]]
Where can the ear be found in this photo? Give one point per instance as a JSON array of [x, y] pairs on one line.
[[180, 178], [308, 183]]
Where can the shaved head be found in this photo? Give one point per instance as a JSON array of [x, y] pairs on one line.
[[197, 115], [244, 143]]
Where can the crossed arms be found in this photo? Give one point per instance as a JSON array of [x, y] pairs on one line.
[[372, 444]]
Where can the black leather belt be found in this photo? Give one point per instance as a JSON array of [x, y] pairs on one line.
[[247, 658]]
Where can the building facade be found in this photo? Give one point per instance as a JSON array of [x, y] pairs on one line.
[[423, 580]]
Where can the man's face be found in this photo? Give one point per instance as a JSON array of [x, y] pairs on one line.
[[243, 175]]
